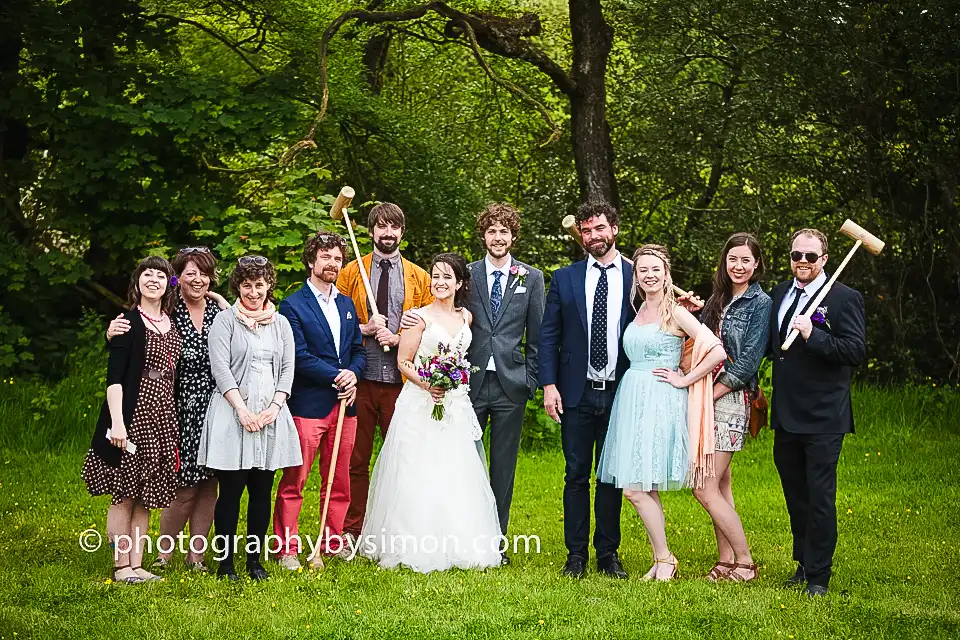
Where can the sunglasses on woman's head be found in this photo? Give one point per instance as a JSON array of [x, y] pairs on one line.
[[804, 256], [327, 238], [257, 260], [187, 250]]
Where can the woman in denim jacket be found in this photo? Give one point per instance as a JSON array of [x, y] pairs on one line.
[[738, 312]]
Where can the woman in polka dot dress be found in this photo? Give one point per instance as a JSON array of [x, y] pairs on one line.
[[196, 307], [134, 455]]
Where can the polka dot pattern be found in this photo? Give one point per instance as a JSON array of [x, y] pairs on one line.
[[598, 330], [150, 475]]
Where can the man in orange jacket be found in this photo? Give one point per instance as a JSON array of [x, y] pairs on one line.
[[397, 285]]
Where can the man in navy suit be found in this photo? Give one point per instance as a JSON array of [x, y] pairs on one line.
[[581, 362], [329, 358]]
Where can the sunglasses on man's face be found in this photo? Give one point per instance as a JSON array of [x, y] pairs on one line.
[[804, 256], [257, 260]]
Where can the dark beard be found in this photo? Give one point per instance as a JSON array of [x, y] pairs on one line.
[[329, 275], [598, 250], [505, 250], [386, 247]]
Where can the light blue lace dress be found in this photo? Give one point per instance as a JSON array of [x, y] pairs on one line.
[[647, 440]]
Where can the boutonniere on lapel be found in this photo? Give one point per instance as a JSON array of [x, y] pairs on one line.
[[820, 317], [520, 273], [349, 316]]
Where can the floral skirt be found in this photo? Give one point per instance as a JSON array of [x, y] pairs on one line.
[[731, 420]]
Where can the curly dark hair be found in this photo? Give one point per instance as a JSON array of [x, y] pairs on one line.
[[133, 290], [502, 212], [319, 241], [202, 257], [460, 273], [251, 268], [594, 208]]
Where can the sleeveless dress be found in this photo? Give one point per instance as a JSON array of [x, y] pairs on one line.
[[430, 506], [150, 474], [647, 441]]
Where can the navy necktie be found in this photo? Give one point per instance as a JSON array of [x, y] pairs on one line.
[[785, 324], [496, 294], [598, 324]]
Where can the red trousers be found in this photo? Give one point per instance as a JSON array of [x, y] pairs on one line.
[[316, 438], [375, 404]]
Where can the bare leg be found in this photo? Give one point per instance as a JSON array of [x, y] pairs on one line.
[[725, 518], [174, 517], [723, 460], [650, 510], [201, 518], [118, 524], [139, 526]]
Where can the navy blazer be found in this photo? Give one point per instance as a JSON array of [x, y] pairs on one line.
[[317, 364], [563, 333]]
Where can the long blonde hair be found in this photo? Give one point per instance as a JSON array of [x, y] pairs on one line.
[[669, 301]]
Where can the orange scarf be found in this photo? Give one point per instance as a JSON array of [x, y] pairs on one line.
[[703, 439]]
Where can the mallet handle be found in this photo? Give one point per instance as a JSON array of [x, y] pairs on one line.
[[363, 272], [824, 290], [333, 471]]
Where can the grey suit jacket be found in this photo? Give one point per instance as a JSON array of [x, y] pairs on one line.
[[503, 336]]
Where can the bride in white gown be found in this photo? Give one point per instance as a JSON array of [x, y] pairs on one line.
[[430, 506]]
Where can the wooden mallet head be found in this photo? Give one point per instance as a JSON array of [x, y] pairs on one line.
[[342, 202], [870, 242], [570, 224]]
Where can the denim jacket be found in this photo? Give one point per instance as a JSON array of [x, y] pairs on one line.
[[745, 334]]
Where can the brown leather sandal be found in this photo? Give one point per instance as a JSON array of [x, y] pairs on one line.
[[732, 576], [720, 570]]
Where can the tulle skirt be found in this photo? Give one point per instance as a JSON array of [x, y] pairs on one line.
[[430, 506]]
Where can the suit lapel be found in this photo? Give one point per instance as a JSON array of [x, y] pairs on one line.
[[344, 326], [580, 292], [314, 305], [480, 277]]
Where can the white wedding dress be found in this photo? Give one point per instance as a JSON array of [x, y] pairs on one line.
[[430, 506]]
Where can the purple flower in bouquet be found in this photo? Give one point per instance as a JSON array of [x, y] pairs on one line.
[[447, 369]]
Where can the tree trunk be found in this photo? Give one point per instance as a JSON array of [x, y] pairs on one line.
[[590, 133]]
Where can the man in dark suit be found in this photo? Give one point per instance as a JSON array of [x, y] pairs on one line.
[[581, 362], [811, 409], [507, 304], [329, 359]]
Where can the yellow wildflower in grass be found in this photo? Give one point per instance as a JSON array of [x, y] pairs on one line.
[[108, 581], [358, 611], [541, 622]]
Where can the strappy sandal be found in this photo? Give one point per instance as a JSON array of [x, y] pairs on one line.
[[732, 576], [676, 568], [160, 563], [150, 578], [134, 579], [720, 571], [198, 567]]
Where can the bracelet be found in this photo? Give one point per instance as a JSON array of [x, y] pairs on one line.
[[276, 403]]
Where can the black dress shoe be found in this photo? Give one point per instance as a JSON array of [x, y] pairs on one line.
[[257, 572], [611, 566], [227, 572], [575, 567], [798, 578], [504, 559], [815, 591]]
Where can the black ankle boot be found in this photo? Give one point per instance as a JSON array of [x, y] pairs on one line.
[[256, 571]]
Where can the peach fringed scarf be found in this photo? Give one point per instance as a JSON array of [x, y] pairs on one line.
[[703, 440], [254, 318]]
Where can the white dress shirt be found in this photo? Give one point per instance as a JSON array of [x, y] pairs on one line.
[[491, 269], [614, 306], [807, 291], [330, 311]]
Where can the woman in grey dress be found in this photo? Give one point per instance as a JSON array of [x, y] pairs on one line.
[[249, 433], [738, 312]]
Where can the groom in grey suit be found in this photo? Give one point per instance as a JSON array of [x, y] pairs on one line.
[[507, 306]]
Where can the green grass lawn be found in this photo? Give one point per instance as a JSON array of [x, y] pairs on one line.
[[896, 570]]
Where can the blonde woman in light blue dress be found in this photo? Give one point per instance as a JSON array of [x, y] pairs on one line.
[[647, 444]]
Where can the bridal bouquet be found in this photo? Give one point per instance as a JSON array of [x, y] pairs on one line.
[[447, 369]]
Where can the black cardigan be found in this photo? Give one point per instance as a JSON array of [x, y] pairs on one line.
[[128, 355]]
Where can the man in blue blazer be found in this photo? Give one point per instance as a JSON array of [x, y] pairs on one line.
[[581, 362], [329, 359]]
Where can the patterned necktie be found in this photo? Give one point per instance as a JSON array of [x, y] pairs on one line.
[[788, 316], [496, 294], [383, 287], [598, 323]]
